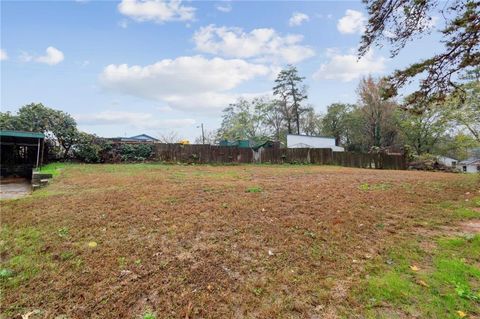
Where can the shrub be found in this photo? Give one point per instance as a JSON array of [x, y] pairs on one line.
[[88, 148], [136, 152]]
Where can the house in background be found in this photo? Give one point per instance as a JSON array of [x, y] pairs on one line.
[[447, 161], [136, 138], [306, 141], [470, 165]]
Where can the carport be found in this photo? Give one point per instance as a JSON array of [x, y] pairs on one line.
[[21, 152]]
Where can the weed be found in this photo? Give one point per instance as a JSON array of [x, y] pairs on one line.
[[63, 232], [254, 189], [5, 273], [149, 315], [464, 291], [122, 262], [257, 291], [309, 234], [66, 255]]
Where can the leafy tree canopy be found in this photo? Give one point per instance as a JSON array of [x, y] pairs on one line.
[[399, 21]]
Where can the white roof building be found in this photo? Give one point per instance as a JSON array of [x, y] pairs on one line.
[[471, 165], [306, 141], [447, 161]]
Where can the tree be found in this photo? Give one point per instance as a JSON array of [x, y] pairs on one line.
[[464, 106], [354, 134], [377, 114], [334, 123], [64, 128], [400, 21], [169, 137], [34, 117], [8, 121], [243, 120], [291, 92], [458, 146], [210, 137], [422, 131], [311, 122], [59, 127], [273, 118]]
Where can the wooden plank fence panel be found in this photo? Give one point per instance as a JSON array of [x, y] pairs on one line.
[[198, 153]]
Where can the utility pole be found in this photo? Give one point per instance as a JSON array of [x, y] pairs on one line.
[[203, 133]]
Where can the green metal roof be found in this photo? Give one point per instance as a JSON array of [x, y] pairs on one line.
[[22, 134]]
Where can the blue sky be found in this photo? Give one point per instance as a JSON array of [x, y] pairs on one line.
[[131, 67]]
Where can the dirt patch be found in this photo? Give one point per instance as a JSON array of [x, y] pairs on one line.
[[471, 226], [190, 241]]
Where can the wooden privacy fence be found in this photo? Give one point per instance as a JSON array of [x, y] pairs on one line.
[[198, 153]]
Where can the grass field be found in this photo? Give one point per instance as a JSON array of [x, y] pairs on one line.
[[160, 241]]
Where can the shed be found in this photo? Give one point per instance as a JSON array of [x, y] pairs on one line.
[[21, 151]]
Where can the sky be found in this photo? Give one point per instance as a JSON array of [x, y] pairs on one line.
[[123, 68]]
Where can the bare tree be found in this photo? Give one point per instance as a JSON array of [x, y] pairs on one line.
[[377, 113], [169, 137], [211, 137]]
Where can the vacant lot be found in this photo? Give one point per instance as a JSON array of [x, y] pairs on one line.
[[146, 241]]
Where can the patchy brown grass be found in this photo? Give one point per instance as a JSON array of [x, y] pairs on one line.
[[211, 242]]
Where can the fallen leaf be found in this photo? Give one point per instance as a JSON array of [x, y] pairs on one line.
[[423, 283], [461, 314], [92, 244], [414, 268]]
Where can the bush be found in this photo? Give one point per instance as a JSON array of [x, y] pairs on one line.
[[136, 152], [89, 148]]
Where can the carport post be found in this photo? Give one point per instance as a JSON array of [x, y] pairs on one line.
[[38, 152]]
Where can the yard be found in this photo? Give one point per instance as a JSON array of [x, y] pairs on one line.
[[247, 241]]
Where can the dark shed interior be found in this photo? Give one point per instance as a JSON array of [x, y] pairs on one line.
[[20, 152]]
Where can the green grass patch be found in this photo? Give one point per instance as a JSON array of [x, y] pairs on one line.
[[24, 256], [55, 168], [466, 213], [447, 280], [149, 315], [254, 189], [374, 187]]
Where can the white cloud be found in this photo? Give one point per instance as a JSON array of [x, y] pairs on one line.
[[158, 11], [3, 55], [347, 67], [133, 119], [298, 18], [186, 83], [352, 22], [224, 7], [261, 44], [52, 56]]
